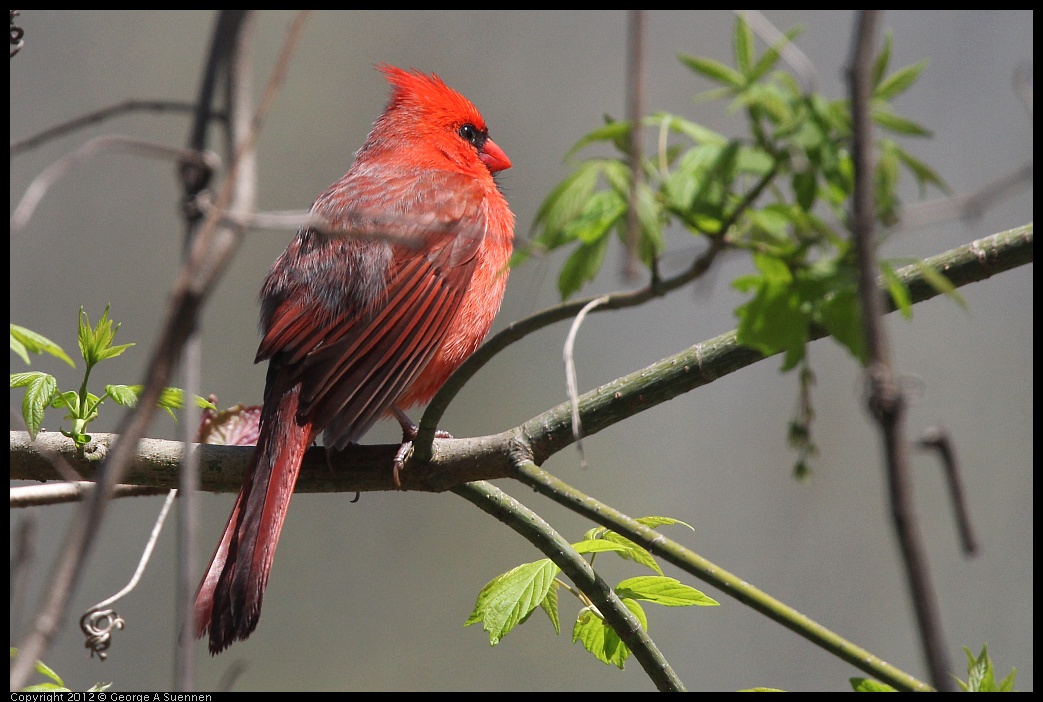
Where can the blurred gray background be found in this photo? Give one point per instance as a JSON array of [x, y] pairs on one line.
[[373, 596]]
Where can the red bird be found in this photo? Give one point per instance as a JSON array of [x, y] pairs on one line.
[[356, 327]]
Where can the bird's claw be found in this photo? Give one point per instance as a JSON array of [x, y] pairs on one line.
[[400, 461], [409, 432]]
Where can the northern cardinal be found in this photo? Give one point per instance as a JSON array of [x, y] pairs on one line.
[[359, 327]]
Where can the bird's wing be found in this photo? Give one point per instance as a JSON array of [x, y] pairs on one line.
[[356, 355]]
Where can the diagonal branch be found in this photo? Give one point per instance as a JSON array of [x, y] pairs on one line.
[[730, 584], [540, 534]]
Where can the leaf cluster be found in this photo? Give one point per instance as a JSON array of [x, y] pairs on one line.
[[780, 194], [509, 599], [96, 345]]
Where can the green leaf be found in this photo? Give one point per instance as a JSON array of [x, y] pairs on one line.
[[1007, 684], [601, 211], [25, 340], [886, 181], [509, 599], [694, 131], [770, 99], [743, 41], [716, 181], [714, 70], [549, 604], [171, 399], [597, 546], [772, 225], [773, 321], [613, 131], [898, 290], [43, 669], [869, 685], [899, 81], [19, 380], [805, 186], [663, 590], [900, 125], [686, 184], [770, 57], [599, 638], [96, 343], [883, 59], [654, 521], [582, 267], [924, 174], [650, 228], [38, 396], [124, 395], [631, 551], [70, 399], [979, 672], [939, 282], [45, 687], [19, 348], [840, 315], [564, 203]]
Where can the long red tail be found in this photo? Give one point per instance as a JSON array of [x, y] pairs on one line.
[[228, 603]]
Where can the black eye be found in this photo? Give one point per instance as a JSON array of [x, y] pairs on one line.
[[472, 135]]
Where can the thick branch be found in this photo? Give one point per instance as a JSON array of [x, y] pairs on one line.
[[456, 461]]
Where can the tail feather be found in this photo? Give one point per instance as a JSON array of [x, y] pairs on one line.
[[228, 603]]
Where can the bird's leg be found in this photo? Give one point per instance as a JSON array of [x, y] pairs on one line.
[[409, 432]]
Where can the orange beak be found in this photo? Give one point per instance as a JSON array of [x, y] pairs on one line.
[[494, 157]]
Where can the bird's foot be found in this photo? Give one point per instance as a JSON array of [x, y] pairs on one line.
[[409, 432]]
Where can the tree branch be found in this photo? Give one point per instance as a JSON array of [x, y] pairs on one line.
[[885, 398], [456, 461], [730, 584]]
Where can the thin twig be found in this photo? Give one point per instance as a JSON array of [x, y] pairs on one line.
[[938, 439], [98, 116], [119, 144], [399, 229], [570, 374], [99, 635], [966, 206], [61, 493]]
